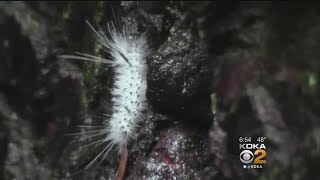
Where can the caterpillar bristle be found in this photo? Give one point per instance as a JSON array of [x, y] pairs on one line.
[[106, 150], [85, 57], [87, 132]]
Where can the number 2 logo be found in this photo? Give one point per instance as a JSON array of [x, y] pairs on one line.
[[261, 154]]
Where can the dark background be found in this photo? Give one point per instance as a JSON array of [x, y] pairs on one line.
[[217, 71]]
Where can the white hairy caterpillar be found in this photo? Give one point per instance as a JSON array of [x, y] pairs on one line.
[[128, 54]]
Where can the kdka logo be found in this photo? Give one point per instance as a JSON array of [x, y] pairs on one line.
[[252, 155]]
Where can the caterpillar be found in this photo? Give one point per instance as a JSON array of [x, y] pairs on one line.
[[128, 58]]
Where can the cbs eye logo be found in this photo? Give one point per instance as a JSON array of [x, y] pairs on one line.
[[246, 156]]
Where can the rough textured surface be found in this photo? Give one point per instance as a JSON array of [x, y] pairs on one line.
[[176, 156], [179, 74], [257, 60]]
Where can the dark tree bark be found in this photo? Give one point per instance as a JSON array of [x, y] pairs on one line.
[[217, 71]]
